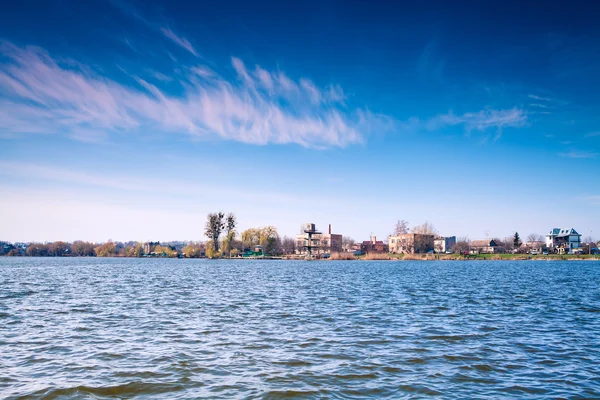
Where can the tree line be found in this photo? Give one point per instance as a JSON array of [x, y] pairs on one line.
[[220, 228], [81, 248], [224, 241]]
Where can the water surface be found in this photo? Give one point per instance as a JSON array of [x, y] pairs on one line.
[[162, 328]]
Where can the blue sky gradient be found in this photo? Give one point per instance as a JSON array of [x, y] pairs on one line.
[[132, 120]]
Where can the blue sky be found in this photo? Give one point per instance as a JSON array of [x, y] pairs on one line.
[[132, 120]]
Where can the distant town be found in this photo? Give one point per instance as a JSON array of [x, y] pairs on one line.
[[417, 242]]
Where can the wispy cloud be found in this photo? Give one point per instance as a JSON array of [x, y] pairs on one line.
[[181, 41], [40, 94], [160, 76], [593, 134], [540, 105], [481, 121], [536, 97], [579, 154]]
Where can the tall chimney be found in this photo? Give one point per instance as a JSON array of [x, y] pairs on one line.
[[330, 229], [374, 239]]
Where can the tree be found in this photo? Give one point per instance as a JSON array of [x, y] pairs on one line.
[[401, 227], [251, 238], [423, 243], [277, 247], [192, 250], [534, 237], [508, 244], [516, 240], [210, 250], [230, 224], [82, 249], [268, 239], [107, 249], [37, 250], [288, 245], [462, 245], [136, 250], [347, 243], [214, 226], [58, 249], [165, 250], [426, 228], [589, 244]]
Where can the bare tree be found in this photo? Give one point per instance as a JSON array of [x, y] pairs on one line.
[[590, 243], [509, 245], [288, 244], [462, 245], [534, 237], [426, 228], [401, 227], [422, 244], [406, 245], [347, 243]]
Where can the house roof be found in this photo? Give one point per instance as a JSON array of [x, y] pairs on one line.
[[559, 232]]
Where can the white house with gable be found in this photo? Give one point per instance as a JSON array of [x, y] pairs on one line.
[[563, 239]]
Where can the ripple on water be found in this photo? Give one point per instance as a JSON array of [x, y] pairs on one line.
[[119, 391], [149, 328]]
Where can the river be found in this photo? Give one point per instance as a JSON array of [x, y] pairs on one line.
[[183, 329]]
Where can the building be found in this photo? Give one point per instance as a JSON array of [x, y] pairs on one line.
[[321, 243], [409, 243], [373, 246], [563, 240], [484, 246], [149, 247], [331, 242], [444, 244]]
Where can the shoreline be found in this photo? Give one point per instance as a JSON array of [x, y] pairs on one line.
[[389, 257]]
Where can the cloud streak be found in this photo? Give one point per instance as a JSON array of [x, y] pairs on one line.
[[579, 154], [42, 95], [482, 121], [181, 41], [536, 97]]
